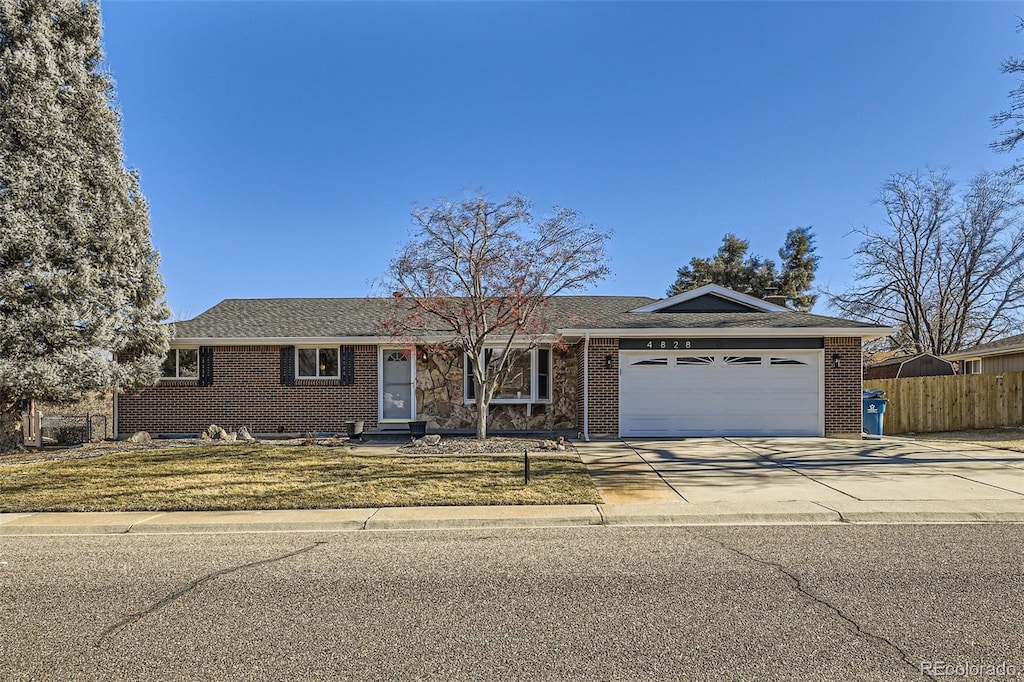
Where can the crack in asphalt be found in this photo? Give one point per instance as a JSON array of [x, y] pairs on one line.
[[859, 630], [177, 594]]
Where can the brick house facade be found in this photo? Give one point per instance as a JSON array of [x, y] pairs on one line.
[[247, 362]]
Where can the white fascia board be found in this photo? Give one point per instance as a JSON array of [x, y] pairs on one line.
[[717, 290], [765, 332]]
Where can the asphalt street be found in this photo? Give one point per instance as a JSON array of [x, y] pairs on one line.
[[835, 602]]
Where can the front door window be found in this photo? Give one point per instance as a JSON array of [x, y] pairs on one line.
[[396, 387]]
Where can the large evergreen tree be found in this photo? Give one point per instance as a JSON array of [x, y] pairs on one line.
[[799, 264], [79, 284], [732, 267]]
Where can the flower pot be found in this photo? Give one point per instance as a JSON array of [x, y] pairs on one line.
[[417, 429]]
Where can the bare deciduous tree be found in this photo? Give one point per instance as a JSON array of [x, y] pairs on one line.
[[948, 270], [1011, 120], [481, 274]]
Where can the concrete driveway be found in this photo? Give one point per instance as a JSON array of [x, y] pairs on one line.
[[833, 474]]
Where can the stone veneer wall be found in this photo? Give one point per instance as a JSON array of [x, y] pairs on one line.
[[440, 399], [247, 391], [843, 404]]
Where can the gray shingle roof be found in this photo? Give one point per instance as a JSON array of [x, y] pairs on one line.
[[353, 317], [1009, 344]]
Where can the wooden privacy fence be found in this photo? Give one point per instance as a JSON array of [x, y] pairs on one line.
[[952, 403]]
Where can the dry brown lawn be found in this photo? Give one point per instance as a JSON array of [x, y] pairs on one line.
[[262, 476], [1011, 438]]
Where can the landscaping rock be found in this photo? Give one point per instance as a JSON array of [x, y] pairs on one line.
[[205, 436], [230, 437], [139, 437], [432, 439], [467, 445], [243, 434], [213, 431], [558, 444]]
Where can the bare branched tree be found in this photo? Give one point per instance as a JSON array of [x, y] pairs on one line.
[[1010, 122], [948, 270], [481, 273]]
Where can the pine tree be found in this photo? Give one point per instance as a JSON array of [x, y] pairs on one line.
[[79, 284], [798, 267], [731, 267]]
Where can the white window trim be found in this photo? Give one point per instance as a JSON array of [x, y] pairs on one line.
[[177, 364], [532, 399], [971, 360], [318, 377]]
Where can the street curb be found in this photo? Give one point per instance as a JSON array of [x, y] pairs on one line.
[[421, 518], [441, 518], [771, 513]]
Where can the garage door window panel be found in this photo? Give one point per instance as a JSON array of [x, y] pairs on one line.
[[742, 360], [696, 360]]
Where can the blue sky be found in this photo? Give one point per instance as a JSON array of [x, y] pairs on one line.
[[282, 145]]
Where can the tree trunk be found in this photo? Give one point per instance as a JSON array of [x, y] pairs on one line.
[[10, 426], [481, 418]]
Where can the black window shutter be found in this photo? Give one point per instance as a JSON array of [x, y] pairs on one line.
[[543, 373], [347, 365], [288, 365], [205, 366]]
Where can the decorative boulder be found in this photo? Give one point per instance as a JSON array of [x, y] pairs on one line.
[[558, 444], [230, 437], [432, 439], [213, 431], [139, 437], [243, 434]]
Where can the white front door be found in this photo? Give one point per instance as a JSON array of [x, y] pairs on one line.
[[715, 393], [397, 394]]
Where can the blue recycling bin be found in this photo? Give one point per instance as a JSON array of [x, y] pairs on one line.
[[874, 416]]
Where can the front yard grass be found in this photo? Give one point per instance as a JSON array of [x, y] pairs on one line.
[[238, 477]]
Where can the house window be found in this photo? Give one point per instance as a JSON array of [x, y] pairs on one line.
[[316, 363], [528, 379], [181, 363], [972, 366]]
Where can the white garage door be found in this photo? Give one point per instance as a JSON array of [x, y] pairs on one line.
[[736, 393]]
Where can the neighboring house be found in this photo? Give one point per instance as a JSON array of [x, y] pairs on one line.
[[1004, 355], [921, 365], [710, 361]]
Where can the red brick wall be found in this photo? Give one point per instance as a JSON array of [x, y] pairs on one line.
[[843, 387], [604, 387], [247, 391]]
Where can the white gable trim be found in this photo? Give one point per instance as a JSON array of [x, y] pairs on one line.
[[715, 290], [731, 332]]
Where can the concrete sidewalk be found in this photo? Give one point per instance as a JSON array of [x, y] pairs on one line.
[[695, 481]]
